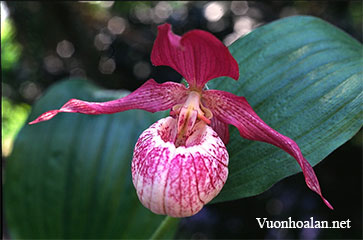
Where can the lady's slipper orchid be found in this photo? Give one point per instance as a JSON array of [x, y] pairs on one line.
[[180, 162]]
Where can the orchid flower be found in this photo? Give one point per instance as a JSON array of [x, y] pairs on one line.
[[180, 162]]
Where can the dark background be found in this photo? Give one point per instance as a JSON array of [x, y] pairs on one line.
[[110, 43]]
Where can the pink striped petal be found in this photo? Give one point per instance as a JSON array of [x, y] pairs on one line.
[[236, 111], [197, 55], [178, 181], [221, 129], [151, 97]]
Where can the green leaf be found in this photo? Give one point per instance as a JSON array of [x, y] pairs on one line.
[[303, 77], [71, 177]]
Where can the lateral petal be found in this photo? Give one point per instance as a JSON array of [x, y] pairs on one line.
[[221, 129], [197, 55], [235, 110], [151, 96]]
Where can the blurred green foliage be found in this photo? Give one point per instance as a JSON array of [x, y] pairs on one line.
[[10, 48], [13, 117]]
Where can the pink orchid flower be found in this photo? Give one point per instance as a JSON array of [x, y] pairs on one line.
[[180, 162]]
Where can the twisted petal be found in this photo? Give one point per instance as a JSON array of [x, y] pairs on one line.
[[151, 97], [178, 181], [236, 111], [197, 55]]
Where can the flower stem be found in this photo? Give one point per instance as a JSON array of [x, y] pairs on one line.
[[164, 228]]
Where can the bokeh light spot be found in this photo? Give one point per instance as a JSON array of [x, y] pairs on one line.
[[29, 90], [142, 69], [65, 49], [102, 41], [214, 11], [116, 25], [143, 13], [239, 7], [163, 10], [243, 25], [107, 65], [53, 64]]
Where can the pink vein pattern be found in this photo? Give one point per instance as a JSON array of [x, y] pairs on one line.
[[178, 181]]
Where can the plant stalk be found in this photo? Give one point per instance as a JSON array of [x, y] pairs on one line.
[[164, 227]]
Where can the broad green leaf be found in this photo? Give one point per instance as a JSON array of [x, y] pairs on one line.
[[303, 77], [71, 177]]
